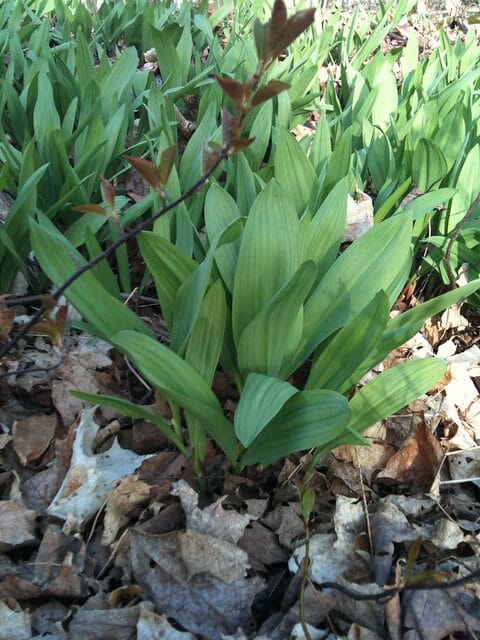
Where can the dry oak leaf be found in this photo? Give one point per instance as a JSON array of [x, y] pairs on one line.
[[17, 523], [196, 579], [32, 436], [417, 462]]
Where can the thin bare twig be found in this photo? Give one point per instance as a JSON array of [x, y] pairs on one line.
[[389, 592]]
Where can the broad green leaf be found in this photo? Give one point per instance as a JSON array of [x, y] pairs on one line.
[[309, 419], [23, 207], [386, 100], [268, 256], [451, 133], [192, 290], [59, 261], [45, 115], [429, 165], [379, 158], [467, 187], [261, 399], [321, 238], [244, 184], [321, 148], [428, 201], [350, 347], [392, 390], [339, 162], [135, 412], [169, 267], [220, 211], [261, 131], [380, 257], [407, 324], [270, 340], [180, 383], [116, 89], [205, 342], [191, 157], [102, 271], [293, 169]]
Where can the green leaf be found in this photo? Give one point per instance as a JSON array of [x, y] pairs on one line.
[[115, 90], [429, 164], [406, 325], [268, 256], [220, 211], [321, 238], [269, 90], [191, 157], [339, 163], [191, 292], [261, 399], [205, 342], [180, 383], [293, 169], [309, 419], [261, 131], [271, 339], [381, 256], [350, 347], [467, 189], [169, 267], [135, 412], [392, 390], [428, 201]]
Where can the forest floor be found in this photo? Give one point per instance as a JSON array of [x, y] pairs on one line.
[[104, 532]]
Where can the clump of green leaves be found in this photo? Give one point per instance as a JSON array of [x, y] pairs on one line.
[[266, 295]]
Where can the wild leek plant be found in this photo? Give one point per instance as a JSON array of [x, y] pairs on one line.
[[269, 295]]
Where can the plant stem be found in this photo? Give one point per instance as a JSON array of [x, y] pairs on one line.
[[306, 567], [176, 419]]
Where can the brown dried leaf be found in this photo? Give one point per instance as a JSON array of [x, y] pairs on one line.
[[417, 462], [54, 328], [108, 193], [240, 144], [129, 493], [278, 23], [147, 170], [213, 520], [166, 164], [151, 626], [270, 90], [91, 476], [18, 524], [295, 25], [205, 574], [32, 436], [435, 615], [90, 208], [58, 552], [98, 624], [234, 90]]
